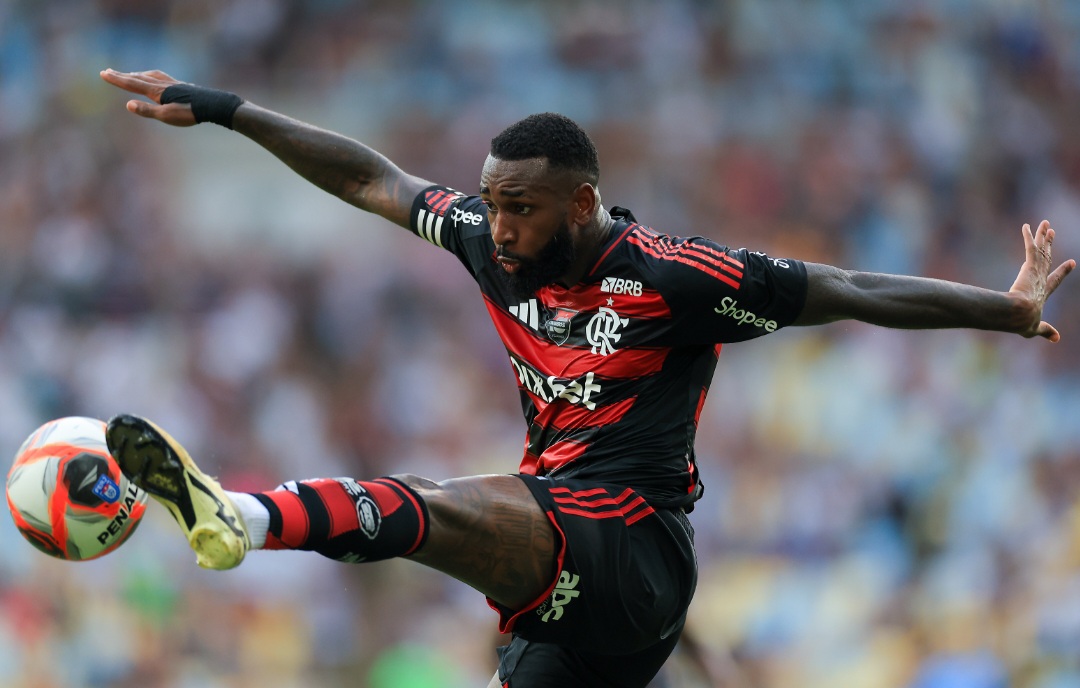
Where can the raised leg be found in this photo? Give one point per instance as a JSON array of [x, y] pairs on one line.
[[488, 532]]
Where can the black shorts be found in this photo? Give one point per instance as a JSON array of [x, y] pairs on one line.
[[626, 574]]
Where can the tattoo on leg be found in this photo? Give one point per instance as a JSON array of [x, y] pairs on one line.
[[490, 534]]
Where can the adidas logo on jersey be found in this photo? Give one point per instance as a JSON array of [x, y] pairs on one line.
[[618, 285], [528, 313]]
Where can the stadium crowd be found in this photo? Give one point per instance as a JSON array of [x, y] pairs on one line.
[[883, 509]]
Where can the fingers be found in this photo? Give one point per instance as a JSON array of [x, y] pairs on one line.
[[142, 108], [1029, 240], [158, 74], [1044, 237], [1055, 278], [1041, 239], [149, 84], [1037, 246], [129, 82], [1047, 331], [176, 114]]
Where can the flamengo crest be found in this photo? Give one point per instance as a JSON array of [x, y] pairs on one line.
[[603, 331]]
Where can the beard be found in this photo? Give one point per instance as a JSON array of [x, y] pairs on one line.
[[553, 262]]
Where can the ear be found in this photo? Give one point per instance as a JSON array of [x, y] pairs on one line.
[[583, 204]]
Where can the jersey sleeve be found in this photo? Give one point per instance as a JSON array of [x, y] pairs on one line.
[[731, 295], [453, 221]]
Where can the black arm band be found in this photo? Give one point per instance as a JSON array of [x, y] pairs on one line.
[[207, 104]]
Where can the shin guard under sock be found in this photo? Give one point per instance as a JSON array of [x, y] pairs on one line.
[[346, 520]]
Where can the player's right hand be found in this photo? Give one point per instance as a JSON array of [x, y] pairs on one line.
[[151, 85]]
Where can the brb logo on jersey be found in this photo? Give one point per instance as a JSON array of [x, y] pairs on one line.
[[617, 285], [603, 331]]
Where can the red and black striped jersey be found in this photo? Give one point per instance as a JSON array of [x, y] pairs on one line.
[[613, 371]]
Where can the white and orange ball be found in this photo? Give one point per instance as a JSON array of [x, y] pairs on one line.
[[67, 494]]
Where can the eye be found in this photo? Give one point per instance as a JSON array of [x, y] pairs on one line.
[[524, 209], [490, 206]]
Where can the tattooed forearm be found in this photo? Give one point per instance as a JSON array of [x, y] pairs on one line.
[[337, 164]]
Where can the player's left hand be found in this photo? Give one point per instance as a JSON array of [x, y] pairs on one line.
[[151, 85], [1036, 282]]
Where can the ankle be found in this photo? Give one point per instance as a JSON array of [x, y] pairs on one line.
[[256, 517]]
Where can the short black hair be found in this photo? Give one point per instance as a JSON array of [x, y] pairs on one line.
[[553, 136]]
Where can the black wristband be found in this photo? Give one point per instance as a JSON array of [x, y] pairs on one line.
[[207, 104]]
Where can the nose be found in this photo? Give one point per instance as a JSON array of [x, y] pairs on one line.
[[502, 232]]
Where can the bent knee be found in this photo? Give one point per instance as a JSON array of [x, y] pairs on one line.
[[471, 489], [474, 502], [416, 482], [446, 504], [432, 494]]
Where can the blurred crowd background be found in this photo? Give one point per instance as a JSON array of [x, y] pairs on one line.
[[883, 509]]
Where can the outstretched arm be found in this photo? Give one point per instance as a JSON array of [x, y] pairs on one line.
[[919, 303], [337, 164]]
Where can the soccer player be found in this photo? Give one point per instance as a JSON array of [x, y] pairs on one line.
[[612, 331]]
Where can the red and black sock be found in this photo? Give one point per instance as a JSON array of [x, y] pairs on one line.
[[346, 520]]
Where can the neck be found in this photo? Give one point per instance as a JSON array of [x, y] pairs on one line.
[[588, 242]]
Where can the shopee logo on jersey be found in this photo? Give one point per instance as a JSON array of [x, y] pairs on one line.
[[730, 308], [579, 391], [459, 215]]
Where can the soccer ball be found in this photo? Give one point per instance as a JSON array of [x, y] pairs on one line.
[[67, 494]]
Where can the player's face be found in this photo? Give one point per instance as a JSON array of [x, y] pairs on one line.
[[525, 275], [528, 207]]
